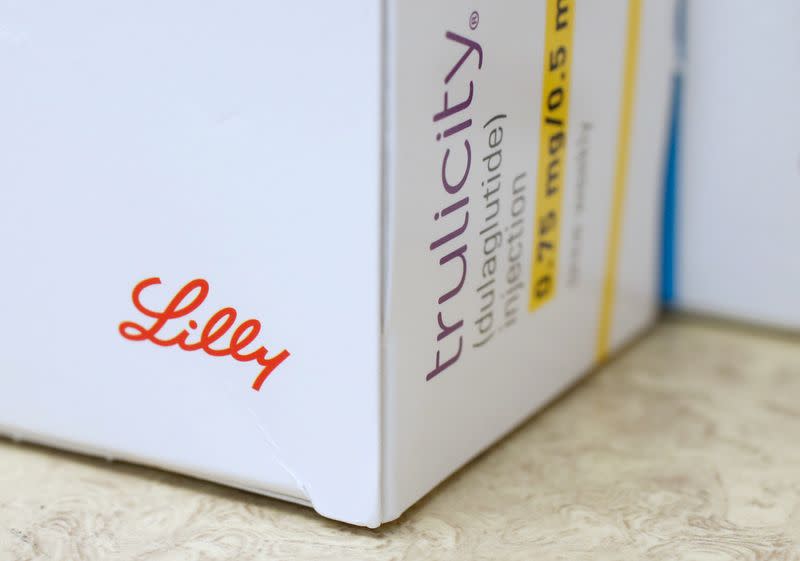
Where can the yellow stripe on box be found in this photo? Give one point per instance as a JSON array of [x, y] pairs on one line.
[[620, 178], [552, 150]]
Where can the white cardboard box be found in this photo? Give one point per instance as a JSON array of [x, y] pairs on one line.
[[344, 196], [736, 220]]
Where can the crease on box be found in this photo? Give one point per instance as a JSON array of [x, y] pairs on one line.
[[275, 453], [19, 435]]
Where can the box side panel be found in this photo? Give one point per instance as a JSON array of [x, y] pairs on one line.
[[507, 201], [638, 276], [740, 151], [232, 144]]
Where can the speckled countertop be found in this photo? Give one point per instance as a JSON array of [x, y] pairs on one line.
[[685, 447]]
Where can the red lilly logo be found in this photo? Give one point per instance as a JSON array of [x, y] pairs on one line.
[[186, 301]]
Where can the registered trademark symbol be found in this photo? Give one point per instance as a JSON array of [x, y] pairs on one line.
[[474, 18]]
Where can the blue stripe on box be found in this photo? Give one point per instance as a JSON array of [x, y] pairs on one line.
[[671, 175], [669, 242]]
